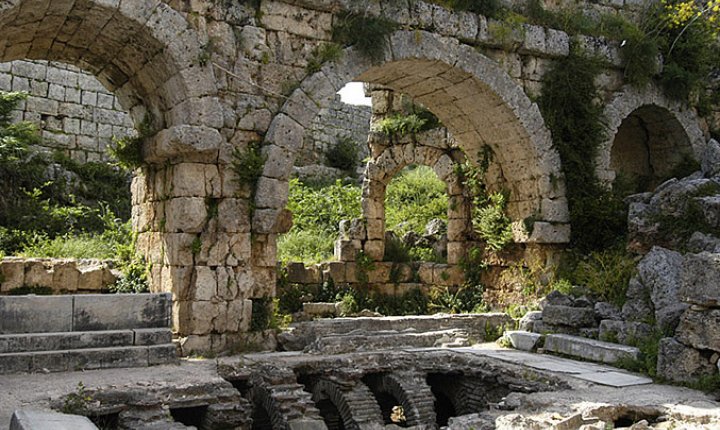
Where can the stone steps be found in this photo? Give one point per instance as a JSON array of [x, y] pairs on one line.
[[32, 342], [87, 359], [68, 333], [589, 349]]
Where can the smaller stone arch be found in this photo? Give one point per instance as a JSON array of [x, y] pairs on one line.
[[350, 400], [380, 171], [410, 391], [647, 134]]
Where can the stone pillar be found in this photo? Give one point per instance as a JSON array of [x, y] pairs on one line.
[[194, 231]]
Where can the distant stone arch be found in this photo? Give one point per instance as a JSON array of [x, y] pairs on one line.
[[380, 171], [475, 99], [351, 403], [647, 135]]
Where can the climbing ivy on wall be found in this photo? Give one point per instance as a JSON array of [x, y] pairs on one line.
[[568, 104]]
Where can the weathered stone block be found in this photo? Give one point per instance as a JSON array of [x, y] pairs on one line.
[[335, 270], [319, 309], [152, 336], [700, 278], [36, 314], [346, 250], [185, 215], [523, 340], [589, 349], [120, 311], [380, 273], [569, 316], [624, 331], [34, 420], [700, 329], [678, 363], [12, 274]]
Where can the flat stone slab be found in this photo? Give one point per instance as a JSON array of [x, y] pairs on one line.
[[614, 379], [589, 349], [73, 313], [36, 314], [43, 420], [87, 359], [523, 340], [591, 372], [363, 341], [121, 311], [30, 342]]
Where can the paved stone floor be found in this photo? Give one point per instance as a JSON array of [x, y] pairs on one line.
[[591, 384]]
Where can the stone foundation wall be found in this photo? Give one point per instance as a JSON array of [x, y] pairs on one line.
[[63, 276], [384, 277], [74, 112]]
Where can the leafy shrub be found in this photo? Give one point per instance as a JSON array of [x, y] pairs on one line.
[[400, 125], [343, 155], [491, 222], [127, 151], [248, 164], [366, 33], [322, 54], [307, 246], [265, 315], [607, 273], [413, 198], [456, 300]]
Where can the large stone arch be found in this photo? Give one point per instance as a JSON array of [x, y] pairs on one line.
[[150, 57], [478, 102], [410, 391], [142, 50], [671, 121]]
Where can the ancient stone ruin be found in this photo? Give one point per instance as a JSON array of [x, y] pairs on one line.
[[200, 83]]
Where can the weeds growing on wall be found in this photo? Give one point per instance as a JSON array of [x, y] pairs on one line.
[[488, 217], [488, 8], [248, 164], [569, 105], [325, 53], [399, 125], [368, 34]]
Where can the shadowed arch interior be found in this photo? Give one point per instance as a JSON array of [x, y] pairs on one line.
[[650, 143]]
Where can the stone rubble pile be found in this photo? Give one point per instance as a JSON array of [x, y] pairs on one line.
[[675, 292]]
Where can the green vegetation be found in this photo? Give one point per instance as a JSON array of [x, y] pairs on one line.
[[75, 211], [488, 209], [400, 125], [248, 163], [605, 273], [343, 155], [367, 34], [38, 290], [322, 54], [569, 106], [413, 198], [265, 315], [488, 8]]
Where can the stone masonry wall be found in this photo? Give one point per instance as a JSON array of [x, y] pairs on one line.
[[75, 113], [63, 276], [339, 120]]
